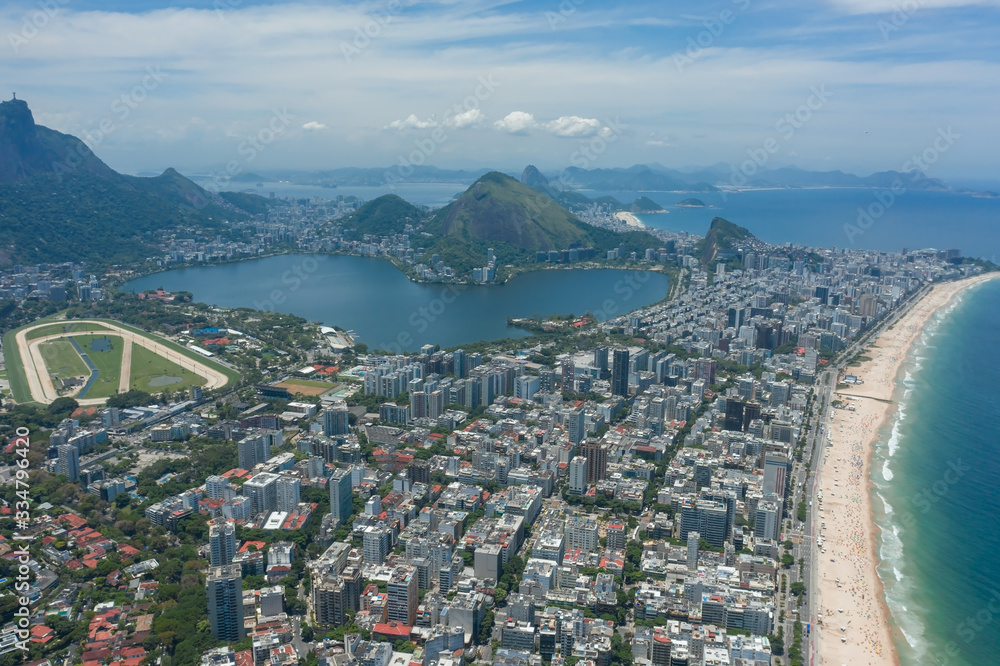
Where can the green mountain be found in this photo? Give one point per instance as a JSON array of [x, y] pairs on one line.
[[387, 215], [516, 221], [59, 202], [722, 235], [646, 205]]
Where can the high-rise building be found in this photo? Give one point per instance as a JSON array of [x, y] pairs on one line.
[[225, 603], [253, 449], [403, 596], [616, 535], [776, 470], [287, 493], [693, 543], [272, 601], [68, 463], [418, 404], [767, 523], [335, 420], [376, 543], [751, 412], [221, 542], [217, 487], [597, 460], [568, 376], [709, 519], [619, 373], [575, 425], [601, 359], [734, 415], [525, 387], [262, 490], [578, 475], [420, 471], [336, 595], [341, 496]]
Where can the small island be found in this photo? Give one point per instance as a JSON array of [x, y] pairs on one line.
[[691, 203], [646, 205]]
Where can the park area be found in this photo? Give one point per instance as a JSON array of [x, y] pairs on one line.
[[92, 360]]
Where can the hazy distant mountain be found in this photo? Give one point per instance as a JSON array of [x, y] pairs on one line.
[[517, 222], [638, 178], [658, 178], [374, 177], [60, 202], [795, 177]]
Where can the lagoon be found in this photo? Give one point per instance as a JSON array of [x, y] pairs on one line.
[[387, 311]]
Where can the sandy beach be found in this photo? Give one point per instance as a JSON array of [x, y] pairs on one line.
[[630, 220], [851, 625]]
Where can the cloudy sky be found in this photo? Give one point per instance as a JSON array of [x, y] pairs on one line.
[[858, 85]]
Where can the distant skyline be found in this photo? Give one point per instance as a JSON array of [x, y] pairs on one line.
[[856, 85]]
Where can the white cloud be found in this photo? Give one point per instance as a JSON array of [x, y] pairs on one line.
[[411, 122], [573, 126], [889, 6], [516, 122], [470, 118], [312, 125]]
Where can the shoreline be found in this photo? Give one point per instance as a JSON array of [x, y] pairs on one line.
[[850, 598]]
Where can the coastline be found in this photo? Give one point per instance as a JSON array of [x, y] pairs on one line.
[[629, 219], [850, 598]]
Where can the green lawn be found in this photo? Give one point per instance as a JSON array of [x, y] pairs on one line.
[[62, 360], [108, 364], [15, 370], [309, 382], [148, 366], [19, 382], [233, 375], [62, 327]]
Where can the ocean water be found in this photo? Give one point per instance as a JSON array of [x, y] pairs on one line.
[[833, 218], [936, 475]]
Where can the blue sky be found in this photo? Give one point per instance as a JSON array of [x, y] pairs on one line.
[[858, 85]]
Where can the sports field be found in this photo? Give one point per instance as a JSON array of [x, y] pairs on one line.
[[41, 354], [152, 373], [62, 361], [306, 386], [105, 352]]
